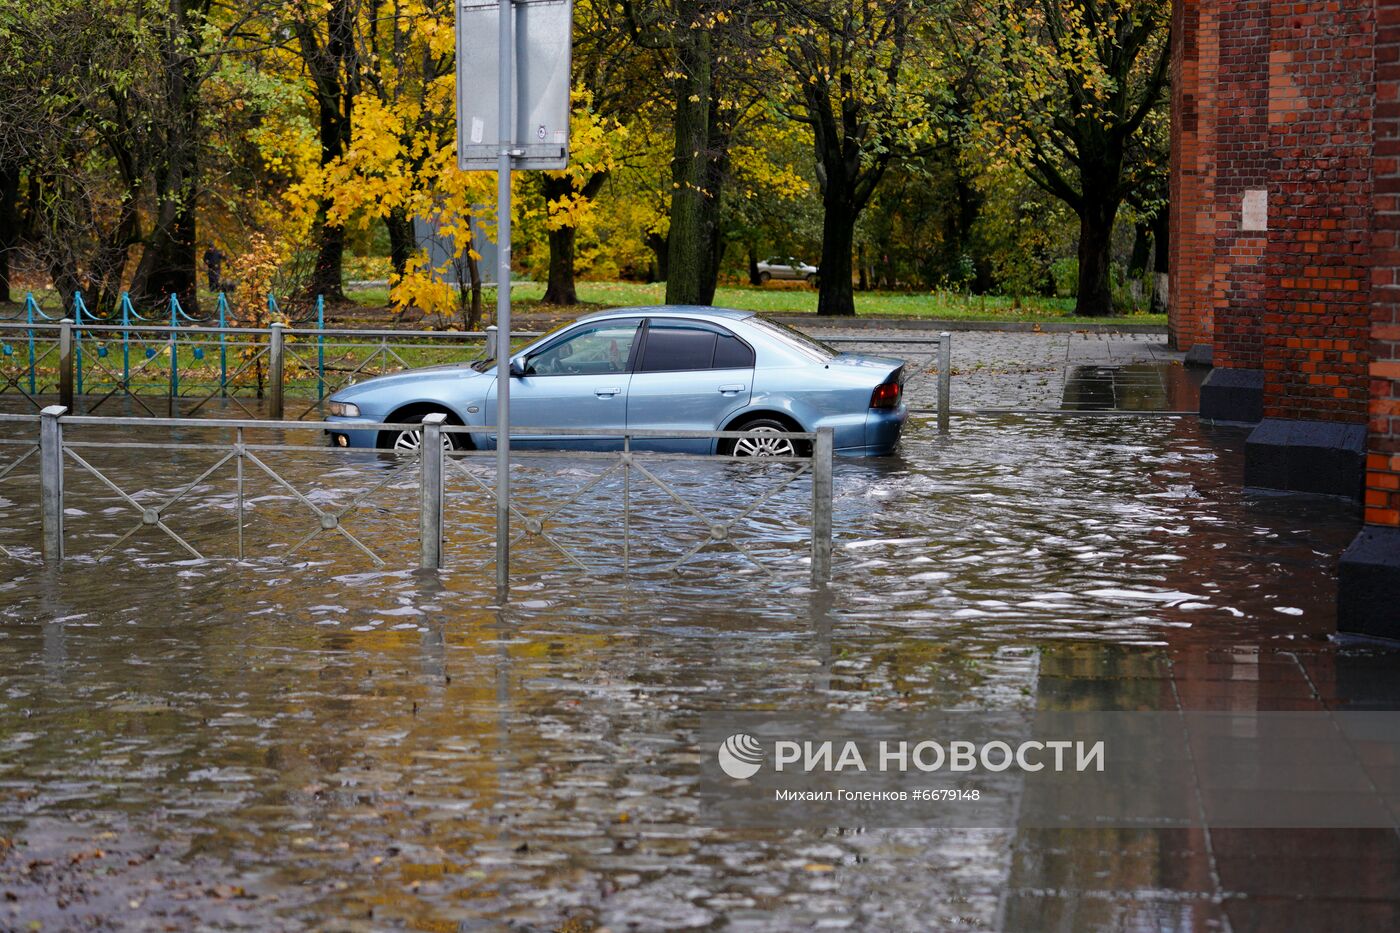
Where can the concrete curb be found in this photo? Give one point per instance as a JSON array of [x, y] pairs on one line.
[[813, 322]]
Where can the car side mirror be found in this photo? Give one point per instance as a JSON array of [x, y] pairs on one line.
[[516, 369]]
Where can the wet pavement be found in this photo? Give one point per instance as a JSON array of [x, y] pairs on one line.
[[1002, 370], [320, 744]]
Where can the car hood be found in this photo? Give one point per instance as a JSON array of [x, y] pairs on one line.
[[410, 376]]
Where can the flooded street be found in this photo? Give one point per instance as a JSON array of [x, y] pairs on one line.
[[318, 744]]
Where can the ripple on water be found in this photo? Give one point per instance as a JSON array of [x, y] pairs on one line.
[[354, 739]]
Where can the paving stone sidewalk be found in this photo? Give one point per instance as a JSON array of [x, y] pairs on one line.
[[1025, 370]]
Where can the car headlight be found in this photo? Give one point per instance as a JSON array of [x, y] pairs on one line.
[[344, 409]]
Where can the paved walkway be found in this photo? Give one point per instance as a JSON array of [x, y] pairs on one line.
[[1025, 370]]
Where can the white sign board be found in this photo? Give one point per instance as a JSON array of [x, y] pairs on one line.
[[1254, 214], [539, 126]]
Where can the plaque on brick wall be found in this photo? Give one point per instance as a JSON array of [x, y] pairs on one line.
[[1256, 210]]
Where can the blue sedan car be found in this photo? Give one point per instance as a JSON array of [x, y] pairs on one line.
[[669, 368]]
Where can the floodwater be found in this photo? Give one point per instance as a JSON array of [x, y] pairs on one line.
[[1139, 386], [313, 742]]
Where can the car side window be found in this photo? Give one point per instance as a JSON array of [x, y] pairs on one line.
[[732, 353], [601, 348], [672, 346], [678, 346]]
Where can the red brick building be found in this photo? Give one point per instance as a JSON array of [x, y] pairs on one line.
[[1286, 254]]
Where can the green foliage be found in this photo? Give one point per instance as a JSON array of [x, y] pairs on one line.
[[1066, 275], [945, 137]]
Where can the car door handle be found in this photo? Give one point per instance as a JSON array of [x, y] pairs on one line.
[[732, 389], [608, 393]]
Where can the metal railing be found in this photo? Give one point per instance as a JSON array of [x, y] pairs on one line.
[[192, 365], [936, 352], [61, 456]]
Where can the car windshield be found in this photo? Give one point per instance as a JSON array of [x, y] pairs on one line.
[[489, 363], [795, 339]]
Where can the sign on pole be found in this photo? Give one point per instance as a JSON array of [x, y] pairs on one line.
[[513, 60], [539, 131]]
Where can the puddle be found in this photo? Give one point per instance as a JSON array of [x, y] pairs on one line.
[[324, 744], [1158, 386]]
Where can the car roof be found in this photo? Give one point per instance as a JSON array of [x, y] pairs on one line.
[[700, 311]]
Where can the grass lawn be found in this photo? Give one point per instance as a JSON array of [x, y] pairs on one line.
[[370, 306], [796, 298]]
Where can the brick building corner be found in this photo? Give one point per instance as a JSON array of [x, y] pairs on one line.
[[1286, 255]]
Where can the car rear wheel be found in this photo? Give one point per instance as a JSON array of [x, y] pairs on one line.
[[763, 278], [771, 442]]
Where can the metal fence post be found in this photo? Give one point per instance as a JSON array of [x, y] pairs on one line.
[[822, 453], [223, 346], [126, 341], [491, 353], [945, 380], [78, 308], [174, 355], [320, 347], [51, 480], [274, 370], [29, 308], [430, 492], [65, 363]]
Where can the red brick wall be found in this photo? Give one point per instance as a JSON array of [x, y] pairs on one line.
[[1242, 162], [1383, 457], [1316, 308], [1195, 64]]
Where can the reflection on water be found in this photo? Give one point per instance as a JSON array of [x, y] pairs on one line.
[[1144, 386], [322, 743]]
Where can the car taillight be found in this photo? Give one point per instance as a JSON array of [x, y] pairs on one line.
[[885, 396]]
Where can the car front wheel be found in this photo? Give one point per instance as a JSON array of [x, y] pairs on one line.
[[772, 440], [410, 441]]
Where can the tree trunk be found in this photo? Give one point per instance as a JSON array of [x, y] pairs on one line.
[[560, 290], [1142, 249], [169, 263], [834, 293], [334, 68], [716, 166], [474, 274], [714, 255], [1095, 298], [688, 245], [863, 285], [1161, 265], [753, 266], [661, 248], [402, 242], [9, 225], [330, 258]]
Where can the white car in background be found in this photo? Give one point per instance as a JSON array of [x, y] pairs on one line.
[[791, 269]]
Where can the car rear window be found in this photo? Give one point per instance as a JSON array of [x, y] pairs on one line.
[[794, 338]]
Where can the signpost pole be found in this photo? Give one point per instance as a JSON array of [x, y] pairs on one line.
[[506, 132]]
